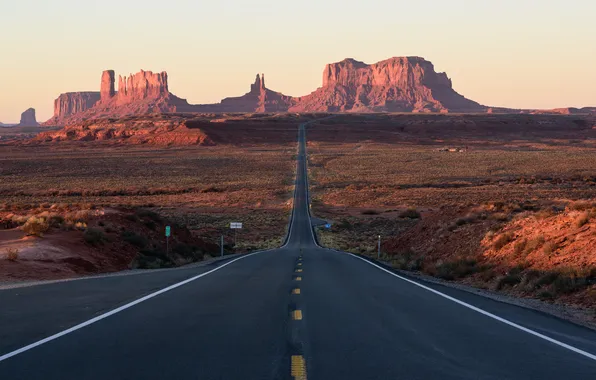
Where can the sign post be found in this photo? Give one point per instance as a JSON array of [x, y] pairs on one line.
[[168, 233], [235, 226], [221, 245], [379, 250]]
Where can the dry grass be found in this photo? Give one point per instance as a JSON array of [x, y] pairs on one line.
[[12, 254]]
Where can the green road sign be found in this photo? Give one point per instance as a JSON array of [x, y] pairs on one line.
[[167, 230]]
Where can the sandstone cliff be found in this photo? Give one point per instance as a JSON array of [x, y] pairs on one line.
[[142, 93], [28, 118], [71, 103], [406, 84]]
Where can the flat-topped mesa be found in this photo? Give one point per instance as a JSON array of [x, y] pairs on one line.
[[396, 71], [404, 84], [107, 89], [142, 85]]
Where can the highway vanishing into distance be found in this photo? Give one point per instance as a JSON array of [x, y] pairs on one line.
[[289, 313]]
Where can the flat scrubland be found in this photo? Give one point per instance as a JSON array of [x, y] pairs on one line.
[[85, 207], [503, 202]]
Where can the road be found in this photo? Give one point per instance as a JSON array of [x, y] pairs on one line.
[[290, 313]]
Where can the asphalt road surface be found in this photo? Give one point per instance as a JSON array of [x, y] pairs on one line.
[[290, 313]]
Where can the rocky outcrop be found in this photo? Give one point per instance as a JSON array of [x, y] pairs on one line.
[[28, 118], [140, 86], [259, 99], [406, 84], [107, 90], [70, 104]]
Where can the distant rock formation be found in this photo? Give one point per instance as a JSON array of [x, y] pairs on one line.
[[259, 99], [400, 84], [140, 86], [70, 104], [107, 90], [28, 118]]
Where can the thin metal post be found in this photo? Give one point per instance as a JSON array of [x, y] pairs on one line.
[[221, 245], [379, 250], [167, 245]]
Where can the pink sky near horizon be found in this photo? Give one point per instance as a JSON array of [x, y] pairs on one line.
[[518, 54]]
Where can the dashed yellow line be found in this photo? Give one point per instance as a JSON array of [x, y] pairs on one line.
[[296, 291], [298, 278], [298, 270], [297, 315], [299, 264], [298, 367]]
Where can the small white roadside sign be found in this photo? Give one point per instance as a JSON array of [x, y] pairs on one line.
[[236, 225]]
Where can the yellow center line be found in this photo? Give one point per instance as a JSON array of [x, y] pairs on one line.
[[298, 278], [296, 291], [298, 367], [297, 315], [298, 270], [299, 264]]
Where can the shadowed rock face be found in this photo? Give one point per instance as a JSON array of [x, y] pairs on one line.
[[107, 90], [407, 84], [28, 118]]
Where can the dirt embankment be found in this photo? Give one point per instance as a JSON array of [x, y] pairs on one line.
[[61, 241], [171, 129], [529, 250]]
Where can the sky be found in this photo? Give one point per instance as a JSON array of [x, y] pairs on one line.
[[512, 53]]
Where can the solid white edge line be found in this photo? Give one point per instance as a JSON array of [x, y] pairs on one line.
[[117, 310], [478, 310]]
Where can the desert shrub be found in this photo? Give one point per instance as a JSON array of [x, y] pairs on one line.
[[12, 254], [345, 224], [80, 226], [183, 249], [453, 270], [134, 239], [582, 220], [503, 240], [510, 279], [568, 284], [546, 295], [533, 244], [580, 205], [153, 259], [545, 213], [132, 218], [150, 224], [142, 213], [520, 247], [550, 247], [410, 213], [93, 236], [500, 217], [56, 220], [370, 212], [36, 226], [547, 279], [78, 216]]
